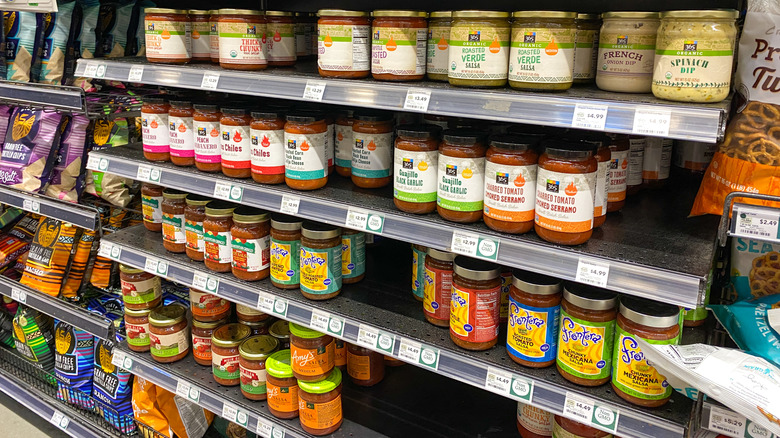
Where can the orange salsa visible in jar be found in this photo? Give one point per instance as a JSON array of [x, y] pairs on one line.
[[208, 157], [140, 289], [137, 329], [343, 142], [282, 386], [251, 243], [537, 297], [305, 161], [173, 205], [437, 289], [510, 184], [533, 422], [280, 38], [267, 147], [154, 129], [372, 152], [235, 147], [170, 337], [201, 340], [474, 308], [618, 172], [399, 46], [365, 367], [564, 427], [194, 213], [168, 36], [250, 314], [214, 40], [319, 404], [604, 157], [253, 353], [216, 235], [242, 39], [201, 35], [224, 353], [461, 176], [207, 307], [151, 203], [313, 353], [344, 44], [180, 133], [415, 168]]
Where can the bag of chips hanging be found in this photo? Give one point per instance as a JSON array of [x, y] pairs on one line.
[[23, 37], [50, 254], [33, 337], [113, 388], [78, 266], [68, 176], [115, 20], [30, 149], [55, 42], [74, 364], [25, 228]]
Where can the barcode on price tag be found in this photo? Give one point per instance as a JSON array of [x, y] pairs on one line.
[[498, 381], [755, 222], [592, 272], [156, 267], [587, 411], [589, 116], [417, 100], [186, 390], [290, 204], [418, 353], [235, 415], [60, 420], [30, 205], [653, 122], [18, 295], [727, 422], [136, 73], [90, 70], [209, 81], [376, 339], [268, 430], [228, 192], [365, 220], [148, 173], [314, 90], [473, 245]]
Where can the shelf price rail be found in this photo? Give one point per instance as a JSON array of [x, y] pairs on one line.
[[79, 215]]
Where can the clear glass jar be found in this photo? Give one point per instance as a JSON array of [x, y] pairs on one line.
[[474, 307], [216, 235], [372, 151], [437, 289], [281, 331], [349, 55], [313, 353], [586, 50], [151, 203], [208, 157], [320, 408], [437, 59], [281, 386], [224, 353], [154, 129], [267, 145], [365, 367], [343, 142], [173, 205], [479, 48], [140, 290], [285, 251], [305, 162], [398, 46], [534, 308], [235, 146], [168, 35], [194, 214], [280, 38], [206, 307], [200, 22], [627, 51], [510, 184], [542, 54], [242, 35], [137, 329], [320, 261], [253, 353], [169, 334], [180, 133], [461, 187], [353, 256], [415, 168], [251, 244], [201, 340]]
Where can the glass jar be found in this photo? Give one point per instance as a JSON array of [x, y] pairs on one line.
[[633, 379], [341, 355], [438, 45], [208, 157], [169, 334], [151, 204], [267, 147], [393, 362], [302, 36], [479, 48], [242, 39], [586, 48], [330, 146], [257, 327], [657, 161], [636, 162], [618, 172], [442, 122], [251, 243], [604, 157], [137, 329], [285, 251], [399, 45], [180, 133], [372, 152], [693, 156], [154, 129], [216, 236], [415, 168], [281, 386], [253, 353], [140, 290], [534, 309], [570, 428], [627, 51], [207, 307], [280, 38], [565, 220], [542, 54], [200, 21], [214, 46], [472, 326], [533, 422], [224, 353], [320, 261], [280, 330], [313, 353], [353, 256], [510, 197], [344, 142], [437, 288], [349, 55], [168, 36], [250, 314], [461, 176], [319, 407], [506, 285], [418, 271], [201, 340], [194, 214], [365, 367], [305, 163], [173, 205], [235, 147]]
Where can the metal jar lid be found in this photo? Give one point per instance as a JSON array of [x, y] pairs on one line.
[[633, 15], [174, 194], [167, 315], [230, 335], [399, 13], [258, 347], [589, 297], [544, 14], [239, 12], [443, 256], [718, 14], [341, 13], [533, 283], [197, 200], [441, 14], [129, 269], [283, 222], [209, 325], [588, 16], [278, 14], [220, 209], [164, 11], [649, 313], [477, 270], [480, 14], [280, 330], [316, 230], [199, 12], [248, 215], [137, 313]]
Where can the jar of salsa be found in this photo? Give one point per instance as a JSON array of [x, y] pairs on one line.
[[253, 353], [633, 379], [214, 40], [399, 45], [201, 340], [343, 44], [418, 271], [285, 251], [600, 145], [442, 122], [267, 147], [305, 163], [216, 236], [169, 334], [319, 404], [636, 162], [154, 129], [194, 213], [140, 290], [313, 353], [242, 39], [344, 142], [168, 36], [372, 153], [365, 367], [618, 172], [415, 168], [250, 314], [586, 51], [510, 184], [341, 355], [251, 243], [235, 147], [224, 353], [200, 22], [563, 427], [533, 422], [657, 161], [302, 36], [438, 45], [534, 309], [565, 216], [257, 328], [280, 38], [137, 329], [151, 204], [461, 176], [479, 48], [281, 386], [506, 285], [542, 54], [181, 134], [208, 157], [173, 205], [437, 289], [472, 326], [207, 307], [353, 256], [320, 261], [280, 330]]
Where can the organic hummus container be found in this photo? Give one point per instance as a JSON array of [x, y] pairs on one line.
[[479, 48], [627, 51], [542, 54]]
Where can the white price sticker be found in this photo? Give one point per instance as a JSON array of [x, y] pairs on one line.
[[290, 204], [498, 381], [755, 222], [592, 272], [92, 162], [18, 295], [418, 353], [186, 390], [589, 116], [319, 321], [268, 430], [120, 359], [314, 90], [210, 81], [652, 122], [199, 281], [148, 173], [235, 415], [272, 305], [363, 220], [417, 100], [59, 419], [30, 205], [100, 72], [156, 267], [727, 422], [228, 192], [136, 73], [473, 245], [105, 249], [587, 411], [90, 70], [376, 339]]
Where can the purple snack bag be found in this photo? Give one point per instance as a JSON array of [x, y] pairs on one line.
[[67, 177], [5, 119], [30, 149]]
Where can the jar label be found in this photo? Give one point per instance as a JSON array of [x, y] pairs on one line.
[[201, 39], [248, 311], [207, 142], [418, 273], [225, 367], [415, 175], [353, 255], [559, 432], [253, 381], [636, 158], [618, 171], [285, 259], [313, 361], [359, 366], [201, 347], [330, 144], [585, 54], [281, 42], [438, 49], [173, 228], [532, 331], [510, 192], [657, 161], [205, 305], [154, 132], [564, 201], [341, 353], [474, 313], [343, 47], [602, 189], [622, 54], [304, 156], [399, 50], [282, 398], [478, 52], [151, 206], [461, 183], [372, 155], [267, 151], [214, 38], [194, 234], [141, 292], [320, 415], [137, 334], [535, 420], [251, 255], [704, 64], [544, 55], [437, 293], [302, 40], [168, 39], [217, 246], [235, 147], [181, 136], [631, 372], [585, 347], [694, 156], [506, 284], [242, 43], [343, 146], [320, 270], [169, 345]]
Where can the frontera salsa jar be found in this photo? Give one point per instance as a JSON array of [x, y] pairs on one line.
[[235, 148], [206, 307], [542, 53], [437, 291], [140, 289], [343, 44], [151, 204], [365, 367], [418, 271], [137, 329], [479, 48], [201, 340], [656, 323], [208, 156], [343, 142], [319, 404], [281, 386], [461, 176], [563, 427], [254, 351], [280, 38], [242, 39], [194, 213], [180, 133], [399, 45], [250, 241], [476, 294], [305, 163], [353, 256], [216, 235], [201, 35], [168, 38], [534, 307], [224, 353], [438, 45], [627, 51], [154, 129], [415, 168], [372, 152], [313, 353], [267, 146], [285, 251], [510, 184], [170, 339], [320, 261], [173, 205]]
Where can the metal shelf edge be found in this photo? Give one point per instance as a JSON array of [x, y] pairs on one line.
[[76, 214], [46, 96]]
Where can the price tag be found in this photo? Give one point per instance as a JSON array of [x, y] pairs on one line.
[[521, 389], [755, 222], [365, 221], [18, 295], [592, 272], [60, 420], [272, 305], [417, 100], [268, 430], [727, 422], [156, 267], [90, 70], [418, 353], [326, 323], [228, 192], [588, 116], [184, 389], [30, 205], [210, 81], [314, 90], [473, 245], [100, 72], [235, 415], [148, 173], [120, 359], [205, 283], [586, 411], [498, 381], [652, 122], [109, 250], [136, 73], [290, 204], [754, 430], [93, 162], [376, 339]]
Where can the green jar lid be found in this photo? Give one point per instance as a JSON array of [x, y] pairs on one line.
[[324, 386], [304, 332], [258, 347], [278, 365]]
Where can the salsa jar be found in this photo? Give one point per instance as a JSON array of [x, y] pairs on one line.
[[657, 162], [137, 329], [208, 157], [280, 330], [173, 205], [636, 163], [319, 404], [437, 59], [235, 147], [200, 22], [224, 353], [399, 45], [303, 38], [372, 152], [418, 271], [140, 290], [281, 386], [330, 142], [258, 327], [285, 251], [618, 172], [586, 48], [151, 204], [194, 214], [154, 129], [510, 183], [250, 314], [534, 310], [343, 44], [353, 256], [479, 48], [180, 133], [627, 51], [280, 38], [415, 168], [201, 340], [206, 307], [341, 355], [320, 261], [266, 132], [541, 57], [601, 204], [169, 334], [633, 379], [313, 353], [692, 156], [344, 142], [242, 39], [168, 36], [476, 294], [506, 285], [218, 255], [533, 422], [565, 216], [251, 244], [214, 39], [437, 286], [253, 353], [586, 334], [563, 427], [305, 161], [365, 367], [461, 176]]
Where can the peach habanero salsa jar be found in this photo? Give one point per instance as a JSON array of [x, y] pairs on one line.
[[154, 129], [169, 334], [208, 157], [344, 44]]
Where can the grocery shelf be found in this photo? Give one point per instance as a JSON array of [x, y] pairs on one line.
[[76, 214], [380, 313], [59, 97], [720, 419], [699, 122], [651, 248]]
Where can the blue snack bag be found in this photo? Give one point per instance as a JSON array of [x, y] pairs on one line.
[[747, 322], [74, 364], [113, 388]]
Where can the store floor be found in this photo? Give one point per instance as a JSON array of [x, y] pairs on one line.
[[16, 420]]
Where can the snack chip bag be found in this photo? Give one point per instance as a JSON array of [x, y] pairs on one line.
[[33, 337], [50, 255], [30, 149], [748, 324], [55, 42], [23, 37], [113, 388], [73, 364], [68, 177], [755, 268]]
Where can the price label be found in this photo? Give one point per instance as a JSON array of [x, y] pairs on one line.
[[189, 392], [376, 339], [18, 295], [290, 204], [363, 220], [326, 323], [210, 81], [652, 122], [136, 73], [228, 192], [755, 222], [100, 72], [90, 70], [588, 116], [420, 354], [156, 267], [473, 245], [205, 283], [521, 389], [60, 420], [727, 422], [268, 430], [498, 381], [314, 90], [92, 162], [30, 205], [586, 411], [235, 415], [272, 305], [417, 100], [148, 173], [592, 272], [105, 249], [121, 360]]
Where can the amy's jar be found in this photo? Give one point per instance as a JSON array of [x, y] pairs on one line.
[[415, 168], [214, 39], [140, 290], [534, 309], [313, 353], [251, 244], [437, 59], [206, 307], [510, 184], [627, 51], [267, 147], [437, 289], [479, 48], [285, 251], [344, 44], [586, 50], [305, 163], [208, 157], [154, 129], [235, 148], [200, 21], [194, 213], [173, 205], [168, 38], [169, 334], [151, 204], [372, 151], [281, 386], [476, 294], [542, 54], [201, 340], [399, 45], [343, 142], [319, 405], [618, 173], [365, 367], [181, 133], [280, 37], [341, 355], [242, 39], [253, 353], [137, 329], [224, 353], [461, 176], [216, 235], [320, 261], [353, 256]]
